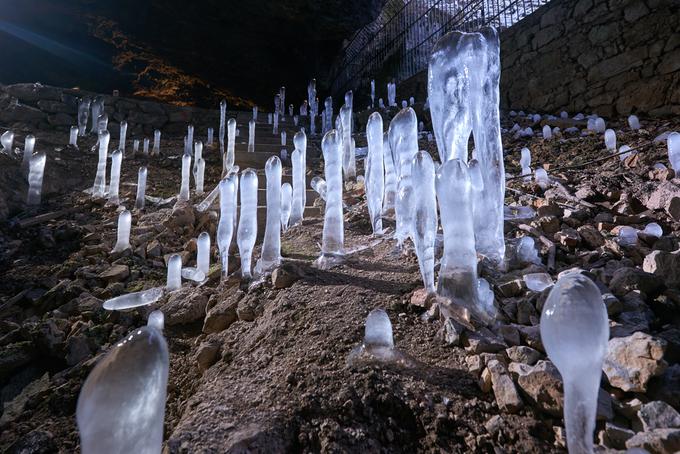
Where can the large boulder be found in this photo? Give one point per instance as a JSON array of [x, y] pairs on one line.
[[632, 361]]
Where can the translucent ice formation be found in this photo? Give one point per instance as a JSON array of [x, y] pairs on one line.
[[145, 146], [674, 150], [319, 185], [458, 273], [211, 137], [541, 178], [122, 136], [403, 137], [225, 228], [634, 122], [200, 174], [83, 114], [121, 406], [73, 137], [123, 234], [404, 209], [247, 227], [283, 138], [624, 152], [547, 132], [251, 136], [174, 277], [29, 146], [223, 113], [628, 236], [156, 320], [297, 190], [525, 251], [102, 123], [271, 246], [378, 331], [374, 169], [463, 81], [135, 147], [537, 282], [99, 188], [300, 143], [231, 143], [610, 139], [35, 178], [425, 219], [372, 93], [141, 188], [203, 253], [332, 247], [114, 184], [186, 171], [575, 331], [525, 159], [97, 109], [599, 124], [653, 229], [156, 151], [348, 158], [136, 299], [390, 193], [198, 154], [286, 202]]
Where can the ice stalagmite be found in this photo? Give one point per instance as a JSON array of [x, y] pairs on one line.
[[200, 174], [575, 331], [328, 105], [255, 109], [247, 227], [122, 136], [186, 171], [610, 139], [271, 246], [283, 138], [145, 146], [541, 177], [225, 228], [156, 151], [123, 233], [525, 159], [203, 253], [458, 273], [73, 137], [35, 178], [390, 194], [348, 158], [403, 136], [135, 146], [300, 143], [198, 154], [121, 406], [156, 320], [251, 136], [297, 200], [634, 122], [99, 188], [136, 299], [97, 108], [674, 150], [464, 73], [174, 278], [332, 247], [210, 138], [189, 140], [286, 202], [372, 93], [547, 132], [231, 144], [83, 114], [425, 216], [114, 184], [29, 146], [374, 169], [223, 114], [141, 188], [319, 185]]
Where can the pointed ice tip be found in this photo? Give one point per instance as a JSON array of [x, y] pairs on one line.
[[378, 330]]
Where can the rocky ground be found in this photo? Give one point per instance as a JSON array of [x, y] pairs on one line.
[[265, 368]]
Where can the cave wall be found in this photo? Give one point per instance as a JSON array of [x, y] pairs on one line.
[[612, 57]]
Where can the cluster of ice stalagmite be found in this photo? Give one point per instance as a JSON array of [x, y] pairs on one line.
[[464, 74], [575, 332], [271, 246], [425, 216], [141, 188], [186, 172], [286, 202], [114, 183], [332, 246], [99, 188], [225, 228], [29, 146], [35, 178], [403, 137], [247, 227], [83, 115], [374, 170], [123, 233], [121, 406]]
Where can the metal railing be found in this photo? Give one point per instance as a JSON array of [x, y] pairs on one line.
[[397, 45]]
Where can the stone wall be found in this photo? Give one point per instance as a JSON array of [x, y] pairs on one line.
[[612, 57], [46, 107]]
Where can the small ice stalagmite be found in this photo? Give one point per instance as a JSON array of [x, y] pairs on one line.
[[125, 394], [29, 146], [97, 107], [599, 125], [225, 228], [255, 109], [374, 170], [275, 127], [141, 188], [390, 193], [223, 115], [114, 184], [186, 171], [537, 282], [145, 146], [156, 320], [198, 154], [135, 147], [525, 158], [458, 273], [251, 136], [99, 188], [298, 189], [283, 138], [372, 93], [634, 122], [348, 158], [174, 278], [123, 234], [541, 177], [122, 136], [189, 141], [628, 236], [203, 253], [673, 143], [211, 137], [200, 175], [332, 247], [425, 216], [378, 330], [231, 144], [156, 151], [610, 139], [624, 152], [73, 137], [247, 227], [35, 178], [575, 333], [7, 140], [404, 208], [300, 143], [547, 132], [286, 202], [83, 115], [271, 246], [328, 104], [319, 185], [136, 299], [653, 229], [102, 123], [526, 253]]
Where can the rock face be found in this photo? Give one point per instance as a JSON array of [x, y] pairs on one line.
[[631, 361], [665, 265]]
